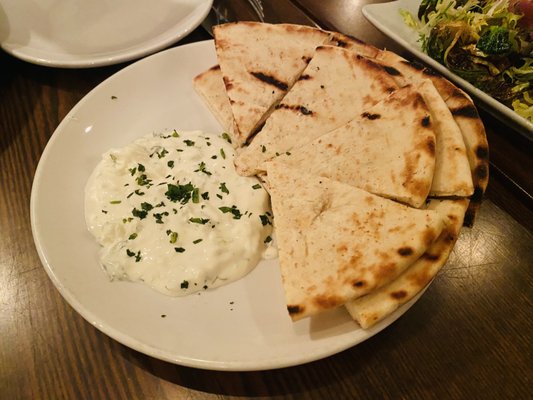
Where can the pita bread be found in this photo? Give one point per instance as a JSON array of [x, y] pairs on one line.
[[375, 306], [336, 86], [388, 151], [259, 63], [465, 115], [210, 86], [337, 242], [452, 170]]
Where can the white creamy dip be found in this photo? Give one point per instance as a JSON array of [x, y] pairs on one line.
[[170, 211]]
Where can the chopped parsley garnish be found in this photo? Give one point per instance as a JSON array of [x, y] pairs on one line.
[[104, 211], [268, 239], [219, 196], [223, 154], [179, 249], [126, 220], [214, 157], [196, 195], [114, 97], [184, 285], [226, 137], [133, 254], [196, 220], [175, 133], [188, 142], [263, 148], [233, 209], [142, 180], [170, 164], [223, 188], [132, 236], [159, 217], [141, 168], [132, 170], [181, 193], [256, 186], [265, 220], [141, 214], [146, 206], [201, 168], [205, 195], [173, 236], [162, 204], [115, 202], [197, 241]]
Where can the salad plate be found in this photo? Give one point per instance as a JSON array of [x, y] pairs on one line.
[[80, 34], [387, 18], [241, 326]]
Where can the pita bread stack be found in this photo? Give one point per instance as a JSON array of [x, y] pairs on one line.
[[373, 163]]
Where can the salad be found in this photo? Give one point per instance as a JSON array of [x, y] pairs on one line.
[[486, 42]]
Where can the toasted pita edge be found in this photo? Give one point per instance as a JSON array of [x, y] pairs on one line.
[[375, 306]]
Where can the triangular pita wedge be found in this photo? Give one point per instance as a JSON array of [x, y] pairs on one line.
[[464, 113], [452, 170], [259, 63], [210, 86], [336, 86], [375, 306], [389, 150], [337, 242]]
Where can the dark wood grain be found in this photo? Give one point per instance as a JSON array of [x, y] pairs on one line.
[[469, 336]]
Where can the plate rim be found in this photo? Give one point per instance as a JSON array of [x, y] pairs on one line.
[[137, 51], [150, 350], [505, 114]]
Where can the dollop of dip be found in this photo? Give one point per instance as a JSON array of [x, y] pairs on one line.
[[169, 210]]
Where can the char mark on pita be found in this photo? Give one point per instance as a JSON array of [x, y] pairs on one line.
[[467, 111], [270, 80]]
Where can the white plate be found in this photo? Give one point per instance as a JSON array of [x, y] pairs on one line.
[[77, 34], [241, 326], [386, 17]]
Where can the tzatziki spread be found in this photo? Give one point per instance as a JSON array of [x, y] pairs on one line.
[[169, 210]]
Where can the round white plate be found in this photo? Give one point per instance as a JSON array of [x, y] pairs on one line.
[[78, 34], [241, 326]]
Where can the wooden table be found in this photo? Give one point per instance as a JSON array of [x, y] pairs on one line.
[[469, 336]]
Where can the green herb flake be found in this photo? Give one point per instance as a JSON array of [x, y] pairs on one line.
[[159, 217], [170, 164], [132, 236], [268, 239], [223, 188], [181, 193], [233, 210], [196, 195], [104, 211], [226, 137], [201, 168], [265, 220], [133, 254], [188, 142], [196, 220], [184, 285], [263, 148], [223, 154], [179, 249], [173, 236], [197, 241], [205, 195], [141, 214], [175, 133], [141, 168], [132, 170], [256, 186]]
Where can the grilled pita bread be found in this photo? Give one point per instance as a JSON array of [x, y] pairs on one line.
[[337, 242], [452, 170], [375, 306], [464, 113], [259, 63], [336, 86], [210, 86], [389, 150]]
